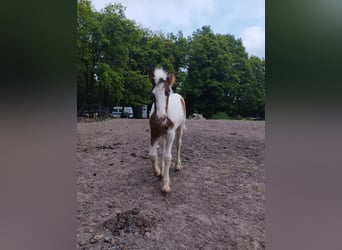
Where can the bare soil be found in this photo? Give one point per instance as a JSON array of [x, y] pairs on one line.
[[217, 200]]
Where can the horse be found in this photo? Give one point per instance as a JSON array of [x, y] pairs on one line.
[[167, 122]]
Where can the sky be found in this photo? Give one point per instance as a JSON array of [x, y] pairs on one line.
[[244, 19]]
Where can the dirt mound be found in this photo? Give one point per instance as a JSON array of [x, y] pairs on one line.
[[129, 222]]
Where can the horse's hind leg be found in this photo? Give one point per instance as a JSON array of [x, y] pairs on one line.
[[179, 134]]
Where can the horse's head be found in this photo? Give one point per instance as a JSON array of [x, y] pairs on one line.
[[162, 87]]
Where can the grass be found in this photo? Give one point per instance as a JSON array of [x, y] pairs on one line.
[[225, 116], [220, 116]]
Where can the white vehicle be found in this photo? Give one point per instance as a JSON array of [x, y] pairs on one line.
[[117, 112], [122, 112], [127, 112]]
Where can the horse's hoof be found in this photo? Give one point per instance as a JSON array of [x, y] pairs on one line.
[[166, 189], [157, 173]]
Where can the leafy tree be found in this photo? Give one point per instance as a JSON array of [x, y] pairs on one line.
[[213, 71], [89, 44]]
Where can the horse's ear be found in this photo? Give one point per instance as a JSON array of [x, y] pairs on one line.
[[151, 77], [171, 79]]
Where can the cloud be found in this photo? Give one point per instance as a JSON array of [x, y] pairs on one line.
[[253, 38], [169, 16], [243, 19]]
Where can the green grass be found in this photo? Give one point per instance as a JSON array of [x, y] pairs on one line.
[[220, 116], [225, 116]]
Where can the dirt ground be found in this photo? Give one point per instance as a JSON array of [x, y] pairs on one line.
[[217, 200]]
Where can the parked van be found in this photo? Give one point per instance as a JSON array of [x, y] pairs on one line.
[[117, 112], [127, 112]]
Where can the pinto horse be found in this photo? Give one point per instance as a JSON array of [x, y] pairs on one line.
[[167, 121]]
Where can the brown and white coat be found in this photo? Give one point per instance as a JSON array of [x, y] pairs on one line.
[[167, 122]]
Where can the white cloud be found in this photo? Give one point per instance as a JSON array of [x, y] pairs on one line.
[[169, 16], [253, 38], [243, 19]]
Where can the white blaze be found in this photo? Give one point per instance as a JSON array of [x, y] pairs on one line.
[[159, 92]]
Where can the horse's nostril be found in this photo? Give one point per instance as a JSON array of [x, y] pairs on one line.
[[161, 119]]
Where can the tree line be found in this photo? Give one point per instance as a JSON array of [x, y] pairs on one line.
[[213, 72]]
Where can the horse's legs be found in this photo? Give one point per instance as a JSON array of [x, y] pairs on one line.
[[179, 134], [170, 136], [154, 158], [162, 159]]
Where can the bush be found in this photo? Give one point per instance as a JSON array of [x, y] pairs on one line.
[[220, 116], [238, 117]]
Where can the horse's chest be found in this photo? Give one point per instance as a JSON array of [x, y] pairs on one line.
[[159, 127]]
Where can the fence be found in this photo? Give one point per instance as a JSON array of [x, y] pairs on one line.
[[94, 111]]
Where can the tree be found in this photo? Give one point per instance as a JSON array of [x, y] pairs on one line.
[[90, 40], [213, 71]]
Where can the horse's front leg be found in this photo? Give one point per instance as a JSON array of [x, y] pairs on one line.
[[154, 158], [162, 164], [167, 159]]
